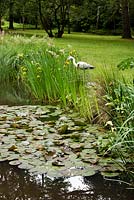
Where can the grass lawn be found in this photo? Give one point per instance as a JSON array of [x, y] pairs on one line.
[[96, 49], [100, 51]]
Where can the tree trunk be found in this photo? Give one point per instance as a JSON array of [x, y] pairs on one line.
[[11, 15], [45, 21], [0, 22], [126, 20]]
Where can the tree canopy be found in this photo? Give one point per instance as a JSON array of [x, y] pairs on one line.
[[115, 16]]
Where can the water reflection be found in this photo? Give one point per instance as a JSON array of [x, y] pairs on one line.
[[16, 184]]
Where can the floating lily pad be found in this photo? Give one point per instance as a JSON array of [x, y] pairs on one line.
[[38, 170], [77, 147], [3, 159], [110, 174], [25, 166], [58, 163], [79, 122], [13, 157], [12, 148], [15, 162], [63, 129], [46, 140], [54, 173]]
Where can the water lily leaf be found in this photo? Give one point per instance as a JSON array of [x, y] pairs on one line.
[[88, 152], [77, 147], [106, 161], [35, 123], [52, 130], [76, 136], [79, 122], [38, 170], [20, 137], [58, 163], [88, 172], [42, 111], [63, 129], [54, 173], [15, 162], [25, 166], [13, 157], [58, 142], [3, 131], [38, 137], [56, 113], [12, 148], [40, 147], [3, 159], [110, 174], [29, 151], [25, 143], [3, 118], [66, 150], [15, 125], [90, 160]]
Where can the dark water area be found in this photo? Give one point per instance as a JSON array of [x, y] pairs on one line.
[[17, 184]]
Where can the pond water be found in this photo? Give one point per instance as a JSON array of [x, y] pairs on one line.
[[18, 184]]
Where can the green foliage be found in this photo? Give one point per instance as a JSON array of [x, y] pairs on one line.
[[44, 74], [126, 64], [119, 102]]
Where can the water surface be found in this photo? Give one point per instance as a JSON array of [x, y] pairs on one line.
[[17, 184]]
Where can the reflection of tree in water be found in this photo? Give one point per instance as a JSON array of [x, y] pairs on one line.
[[108, 190], [16, 184]]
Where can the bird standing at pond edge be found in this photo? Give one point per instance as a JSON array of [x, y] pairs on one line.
[[80, 64]]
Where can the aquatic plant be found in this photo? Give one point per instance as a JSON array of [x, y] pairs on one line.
[[119, 106]]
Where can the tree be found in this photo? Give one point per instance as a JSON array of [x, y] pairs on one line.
[[126, 20], [3, 8], [54, 14], [46, 16], [11, 17]]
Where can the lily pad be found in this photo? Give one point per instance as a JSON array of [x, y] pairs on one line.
[[110, 174], [58, 163], [25, 166], [63, 129], [15, 162]]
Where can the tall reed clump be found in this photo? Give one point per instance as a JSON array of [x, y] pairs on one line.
[[119, 106], [9, 83], [42, 72], [51, 78]]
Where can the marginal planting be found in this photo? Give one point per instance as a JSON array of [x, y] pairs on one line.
[[119, 106], [41, 72]]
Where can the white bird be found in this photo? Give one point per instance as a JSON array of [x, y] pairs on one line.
[[80, 64]]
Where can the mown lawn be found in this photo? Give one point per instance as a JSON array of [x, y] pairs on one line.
[[96, 49]]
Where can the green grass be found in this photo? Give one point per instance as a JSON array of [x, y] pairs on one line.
[[98, 50]]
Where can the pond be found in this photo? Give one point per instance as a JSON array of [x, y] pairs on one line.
[[46, 153], [18, 184]]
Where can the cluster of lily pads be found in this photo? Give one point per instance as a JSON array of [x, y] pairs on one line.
[[47, 140]]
